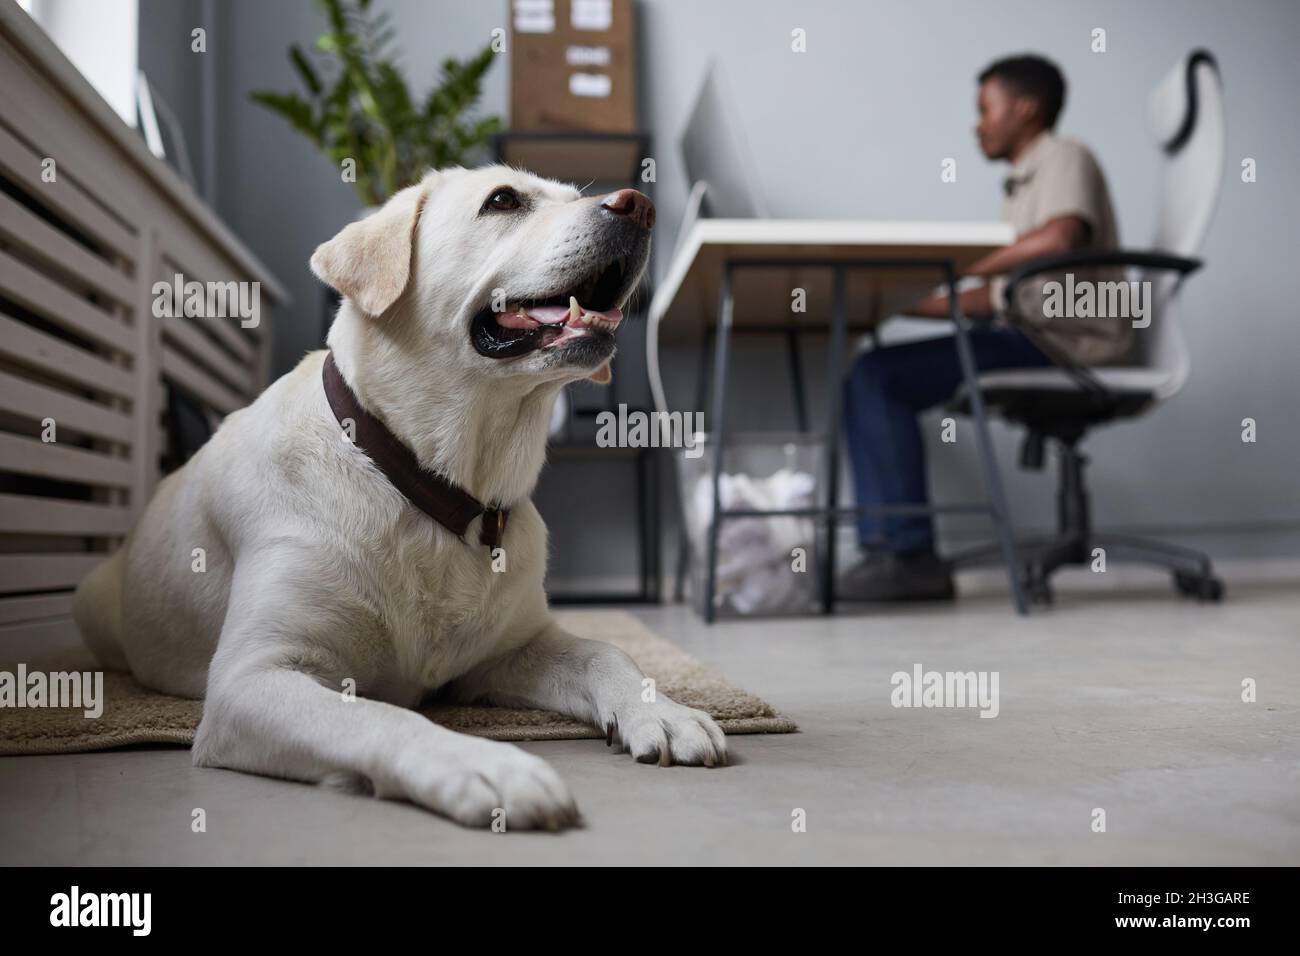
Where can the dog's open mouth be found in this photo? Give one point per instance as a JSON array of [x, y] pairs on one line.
[[585, 314]]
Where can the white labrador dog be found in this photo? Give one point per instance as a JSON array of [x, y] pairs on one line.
[[470, 300]]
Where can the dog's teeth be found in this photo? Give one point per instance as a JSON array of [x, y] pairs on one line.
[[575, 311]]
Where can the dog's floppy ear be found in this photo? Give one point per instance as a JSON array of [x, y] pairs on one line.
[[370, 260]]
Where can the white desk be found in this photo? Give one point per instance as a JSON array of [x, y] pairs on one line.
[[731, 276], [686, 302]]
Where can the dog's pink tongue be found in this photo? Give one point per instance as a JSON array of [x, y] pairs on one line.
[[549, 314], [515, 320]]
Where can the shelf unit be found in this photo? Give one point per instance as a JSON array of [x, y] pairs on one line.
[[599, 161]]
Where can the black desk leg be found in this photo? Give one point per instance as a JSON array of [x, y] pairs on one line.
[[641, 467], [796, 379], [834, 401], [653, 464], [683, 535], [717, 422], [984, 444]]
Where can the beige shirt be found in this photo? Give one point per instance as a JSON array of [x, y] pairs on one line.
[[1056, 178]]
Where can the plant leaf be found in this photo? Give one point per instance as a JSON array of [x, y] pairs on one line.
[[293, 108], [368, 113], [305, 70]]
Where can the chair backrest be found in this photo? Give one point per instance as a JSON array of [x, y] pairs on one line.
[[1187, 121]]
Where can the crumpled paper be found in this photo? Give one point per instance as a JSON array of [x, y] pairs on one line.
[[755, 554]]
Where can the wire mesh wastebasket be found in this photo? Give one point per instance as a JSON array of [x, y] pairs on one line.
[[765, 565]]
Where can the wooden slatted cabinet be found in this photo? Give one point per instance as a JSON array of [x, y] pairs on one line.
[[90, 221]]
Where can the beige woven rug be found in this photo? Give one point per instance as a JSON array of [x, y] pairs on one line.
[[133, 715]]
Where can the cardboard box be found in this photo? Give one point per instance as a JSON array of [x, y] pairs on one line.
[[572, 66]]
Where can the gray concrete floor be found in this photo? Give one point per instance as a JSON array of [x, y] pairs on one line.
[[1122, 697]]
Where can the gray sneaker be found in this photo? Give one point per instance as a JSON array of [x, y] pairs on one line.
[[913, 576]]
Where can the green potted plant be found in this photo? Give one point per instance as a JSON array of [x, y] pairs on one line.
[[357, 105]]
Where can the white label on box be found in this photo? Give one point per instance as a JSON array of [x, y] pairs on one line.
[[590, 84], [532, 23], [592, 14], [587, 56], [534, 16]]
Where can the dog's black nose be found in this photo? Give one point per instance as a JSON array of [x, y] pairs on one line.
[[635, 205]]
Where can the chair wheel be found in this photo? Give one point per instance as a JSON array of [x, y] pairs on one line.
[[1201, 587]]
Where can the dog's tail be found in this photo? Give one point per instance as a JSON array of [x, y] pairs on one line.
[[97, 609]]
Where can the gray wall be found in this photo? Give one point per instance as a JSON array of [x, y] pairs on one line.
[[174, 71], [856, 128]]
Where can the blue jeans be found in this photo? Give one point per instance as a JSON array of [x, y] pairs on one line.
[[885, 390]]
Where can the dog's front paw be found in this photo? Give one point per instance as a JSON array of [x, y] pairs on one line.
[[490, 782], [665, 733]]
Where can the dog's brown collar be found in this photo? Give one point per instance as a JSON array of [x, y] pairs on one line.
[[450, 506]]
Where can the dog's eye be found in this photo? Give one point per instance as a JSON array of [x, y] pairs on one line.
[[504, 200]]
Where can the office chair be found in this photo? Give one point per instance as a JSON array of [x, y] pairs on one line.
[[1062, 402]]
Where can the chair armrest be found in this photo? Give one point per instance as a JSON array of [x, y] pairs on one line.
[[1150, 261], [1084, 258]]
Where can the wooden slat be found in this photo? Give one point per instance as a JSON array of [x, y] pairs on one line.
[[61, 114], [41, 118], [24, 513], [40, 350], [27, 456], [32, 232], [23, 165], [197, 261], [148, 384], [232, 335], [227, 330], [53, 630], [45, 296], [263, 366], [34, 607], [181, 371], [41, 401], [186, 337], [45, 572]]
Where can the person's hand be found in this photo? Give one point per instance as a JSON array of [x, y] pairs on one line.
[[930, 307], [976, 303]]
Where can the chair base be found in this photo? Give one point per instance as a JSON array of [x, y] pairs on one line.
[[1075, 544], [1193, 574]]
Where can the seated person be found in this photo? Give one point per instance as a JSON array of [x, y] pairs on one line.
[[1057, 200]]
